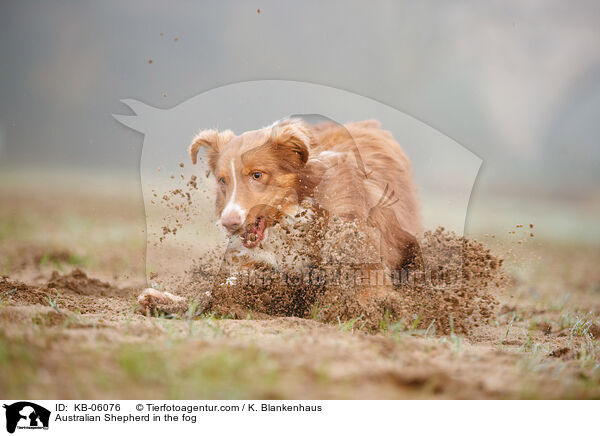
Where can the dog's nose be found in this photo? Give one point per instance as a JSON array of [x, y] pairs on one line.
[[232, 222]]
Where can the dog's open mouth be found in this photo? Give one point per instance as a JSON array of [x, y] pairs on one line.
[[254, 234]]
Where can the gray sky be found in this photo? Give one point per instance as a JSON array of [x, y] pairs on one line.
[[517, 83]]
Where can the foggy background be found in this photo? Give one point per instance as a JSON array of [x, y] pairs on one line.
[[517, 83]]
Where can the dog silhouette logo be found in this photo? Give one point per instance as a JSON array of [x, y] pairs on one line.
[[445, 171], [26, 415]]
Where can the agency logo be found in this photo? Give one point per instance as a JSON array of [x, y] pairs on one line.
[[26, 415], [178, 198]]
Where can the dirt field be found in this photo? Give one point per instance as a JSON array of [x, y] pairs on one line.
[[72, 264]]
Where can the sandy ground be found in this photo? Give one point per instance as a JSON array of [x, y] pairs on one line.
[[73, 263]]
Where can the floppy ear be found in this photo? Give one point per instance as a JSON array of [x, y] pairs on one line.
[[292, 139], [213, 140]]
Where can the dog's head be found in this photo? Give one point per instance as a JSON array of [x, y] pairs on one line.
[[259, 175]]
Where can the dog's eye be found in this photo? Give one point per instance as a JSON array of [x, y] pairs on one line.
[[221, 181], [256, 175]]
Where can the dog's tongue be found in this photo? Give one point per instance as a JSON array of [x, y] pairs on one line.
[[255, 234]]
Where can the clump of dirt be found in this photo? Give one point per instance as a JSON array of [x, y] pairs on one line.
[[563, 353], [74, 283], [15, 291], [544, 327], [72, 291], [79, 283]]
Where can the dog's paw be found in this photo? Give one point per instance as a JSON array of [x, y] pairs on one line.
[[151, 301]]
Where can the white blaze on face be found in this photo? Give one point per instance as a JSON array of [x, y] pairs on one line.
[[232, 207]]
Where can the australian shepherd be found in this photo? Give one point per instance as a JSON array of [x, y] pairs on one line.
[[355, 172]]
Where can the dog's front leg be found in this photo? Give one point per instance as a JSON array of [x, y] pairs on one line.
[[152, 301]]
